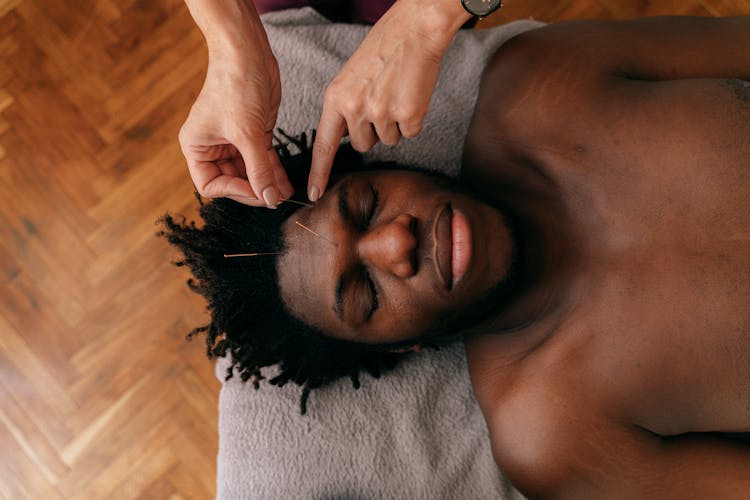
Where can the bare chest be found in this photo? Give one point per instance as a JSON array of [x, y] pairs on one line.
[[659, 194], [665, 319]]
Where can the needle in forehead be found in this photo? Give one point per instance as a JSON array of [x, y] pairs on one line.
[[313, 232]]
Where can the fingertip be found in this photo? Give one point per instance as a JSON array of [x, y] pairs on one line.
[[271, 196], [313, 194], [317, 180]]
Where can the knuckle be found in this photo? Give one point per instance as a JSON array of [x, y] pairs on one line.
[[377, 111], [332, 94], [351, 107], [411, 112]]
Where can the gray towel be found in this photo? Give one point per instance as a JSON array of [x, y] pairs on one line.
[[417, 433]]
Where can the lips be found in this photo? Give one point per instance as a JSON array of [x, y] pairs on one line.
[[453, 246], [461, 247]]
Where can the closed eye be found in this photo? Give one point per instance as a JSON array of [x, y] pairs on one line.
[[374, 294], [358, 205], [370, 281], [364, 201]]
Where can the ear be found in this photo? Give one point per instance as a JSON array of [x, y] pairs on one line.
[[411, 348]]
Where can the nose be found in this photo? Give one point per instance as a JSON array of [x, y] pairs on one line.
[[390, 246]]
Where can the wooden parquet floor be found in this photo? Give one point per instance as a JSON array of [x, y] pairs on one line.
[[100, 396]]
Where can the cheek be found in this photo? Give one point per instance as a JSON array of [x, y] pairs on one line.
[[416, 311]]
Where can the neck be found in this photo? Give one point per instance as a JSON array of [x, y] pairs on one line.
[[545, 259]]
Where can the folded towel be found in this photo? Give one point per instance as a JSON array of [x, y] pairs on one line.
[[417, 432]]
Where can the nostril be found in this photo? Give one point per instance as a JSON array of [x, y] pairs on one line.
[[413, 226]]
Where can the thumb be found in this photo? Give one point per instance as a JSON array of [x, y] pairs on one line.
[[259, 168]]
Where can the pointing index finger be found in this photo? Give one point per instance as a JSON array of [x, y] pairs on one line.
[[330, 130]]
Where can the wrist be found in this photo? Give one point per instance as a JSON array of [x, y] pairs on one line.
[[444, 17], [228, 26]]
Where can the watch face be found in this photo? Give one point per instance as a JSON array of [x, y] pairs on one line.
[[481, 8]]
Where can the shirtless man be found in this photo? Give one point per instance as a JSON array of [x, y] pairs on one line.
[[606, 232]]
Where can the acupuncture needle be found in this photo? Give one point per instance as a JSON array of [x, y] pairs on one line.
[[313, 232], [254, 254]]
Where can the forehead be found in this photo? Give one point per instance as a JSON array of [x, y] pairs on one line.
[[303, 294]]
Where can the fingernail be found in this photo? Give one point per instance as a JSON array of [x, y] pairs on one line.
[[271, 196], [313, 194]]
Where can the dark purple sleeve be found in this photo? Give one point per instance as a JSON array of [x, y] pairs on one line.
[[341, 11]]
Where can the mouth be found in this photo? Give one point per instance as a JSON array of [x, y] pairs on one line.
[[453, 246], [461, 246]]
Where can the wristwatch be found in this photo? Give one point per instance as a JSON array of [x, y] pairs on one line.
[[481, 8]]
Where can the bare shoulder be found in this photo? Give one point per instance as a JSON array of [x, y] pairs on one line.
[[528, 410], [589, 94], [531, 91], [540, 79], [555, 433], [548, 434]]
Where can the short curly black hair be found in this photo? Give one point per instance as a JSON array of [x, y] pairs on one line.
[[248, 318]]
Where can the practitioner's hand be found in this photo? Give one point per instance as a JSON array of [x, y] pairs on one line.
[[227, 136], [383, 92]]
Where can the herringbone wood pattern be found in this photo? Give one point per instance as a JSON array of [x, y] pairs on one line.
[[100, 397]]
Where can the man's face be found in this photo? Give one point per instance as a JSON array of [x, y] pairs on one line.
[[398, 253]]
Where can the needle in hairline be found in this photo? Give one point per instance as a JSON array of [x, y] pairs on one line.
[[254, 254]]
